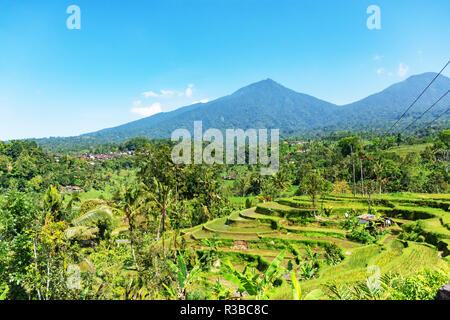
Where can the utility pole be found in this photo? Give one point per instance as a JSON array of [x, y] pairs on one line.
[[354, 179], [362, 177]]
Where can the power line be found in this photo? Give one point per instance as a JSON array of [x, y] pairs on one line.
[[414, 102], [425, 111], [431, 122]]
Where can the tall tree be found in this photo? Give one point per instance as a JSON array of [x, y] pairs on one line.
[[131, 204], [162, 196]]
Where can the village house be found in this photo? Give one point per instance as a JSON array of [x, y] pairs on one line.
[[379, 222], [71, 189], [366, 218], [106, 156], [296, 143]]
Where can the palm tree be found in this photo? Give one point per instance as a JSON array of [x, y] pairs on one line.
[[131, 203], [243, 183], [75, 197], [281, 180], [53, 203], [102, 217], [162, 198], [313, 185]]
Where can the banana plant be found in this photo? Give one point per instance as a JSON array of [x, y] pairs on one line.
[[253, 283], [211, 255], [310, 255], [297, 290], [221, 292], [184, 277], [308, 270]]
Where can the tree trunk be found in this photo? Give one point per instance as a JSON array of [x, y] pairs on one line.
[[133, 253], [314, 204], [354, 172], [362, 177], [130, 227], [48, 276], [163, 221], [35, 265], [159, 231]]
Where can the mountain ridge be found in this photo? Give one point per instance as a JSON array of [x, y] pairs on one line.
[[268, 104]]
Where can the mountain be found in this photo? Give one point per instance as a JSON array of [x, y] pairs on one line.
[[389, 104], [265, 104], [268, 104]]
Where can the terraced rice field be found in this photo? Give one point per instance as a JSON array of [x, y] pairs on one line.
[[268, 228]]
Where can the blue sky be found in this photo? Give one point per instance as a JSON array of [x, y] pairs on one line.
[[133, 58]]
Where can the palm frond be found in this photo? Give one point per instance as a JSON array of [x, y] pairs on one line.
[[91, 217]]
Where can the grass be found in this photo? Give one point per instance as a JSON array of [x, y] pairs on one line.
[[403, 150]]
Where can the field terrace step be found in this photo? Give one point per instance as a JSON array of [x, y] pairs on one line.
[[314, 232], [276, 209]]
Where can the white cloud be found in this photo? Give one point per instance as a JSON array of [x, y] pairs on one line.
[[166, 93], [402, 69], [188, 91], [380, 71], [170, 93], [201, 101], [148, 94], [137, 103], [147, 111], [377, 57]]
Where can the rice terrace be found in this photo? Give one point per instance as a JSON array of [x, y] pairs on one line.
[[225, 158], [255, 236]]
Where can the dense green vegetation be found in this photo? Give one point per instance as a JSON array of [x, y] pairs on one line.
[[143, 227]]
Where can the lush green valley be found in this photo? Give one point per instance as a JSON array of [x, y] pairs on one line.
[[345, 217]]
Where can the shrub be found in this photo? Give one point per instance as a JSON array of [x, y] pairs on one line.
[[362, 236], [421, 286], [341, 187], [333, 254]]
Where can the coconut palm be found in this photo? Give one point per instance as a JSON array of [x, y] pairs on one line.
[[243, 183], [131, 203], [53, 203], [281, 180], [102, 217], [162, 197]]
